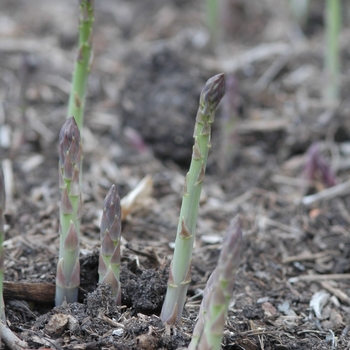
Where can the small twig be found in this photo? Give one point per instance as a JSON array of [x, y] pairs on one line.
[[290, 181], [311, 331], [254, 329], [257, 54], [111, 322], [10, 339], [336, 291], [305, 256], [268, 222], [150, 254], [271, 73], [311, 278], [328, 193]]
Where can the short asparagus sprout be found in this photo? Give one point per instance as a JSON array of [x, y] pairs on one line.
[[208, 331], [2, 253], [180, 269], [83, 63], [317, 169], [109, 263], [68, 268]]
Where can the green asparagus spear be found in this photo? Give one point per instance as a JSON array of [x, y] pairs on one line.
[[82, 65], [2, 253], [68, 268], [212, 9], [109, 264], [332, 56], [180, 269], [208, 332]]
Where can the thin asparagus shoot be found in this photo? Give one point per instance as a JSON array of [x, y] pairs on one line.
[[109, 262], [332, 55], [2, 252], [208, 331], [212, 9], [82, 67], [180, 268], [68, 268]]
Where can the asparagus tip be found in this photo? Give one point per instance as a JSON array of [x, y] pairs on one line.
[[214, 90]]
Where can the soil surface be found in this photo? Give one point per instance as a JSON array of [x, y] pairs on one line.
[[151, 59]]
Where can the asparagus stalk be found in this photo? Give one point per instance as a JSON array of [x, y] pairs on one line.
[[68, 268], [109, 264], [212, 9], [180, 269], [2, 253], [82, 66], [332, 56], [199, 327], [208, 331]]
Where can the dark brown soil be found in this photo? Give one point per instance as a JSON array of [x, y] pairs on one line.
[[151, 61]]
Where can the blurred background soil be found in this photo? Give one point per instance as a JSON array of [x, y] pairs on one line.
[[151, 59]]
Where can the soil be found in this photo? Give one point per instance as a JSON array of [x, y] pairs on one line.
[[151, 59]]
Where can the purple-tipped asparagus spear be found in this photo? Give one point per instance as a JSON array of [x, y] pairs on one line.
[[68, 268], [317, 167], [2, 253], [180, 269], [208, 332], [109, 264]]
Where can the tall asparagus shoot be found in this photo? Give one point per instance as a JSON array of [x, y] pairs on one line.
[[212, 9], [109, 264], [208, 331], [180, 269], [83, 63], [2, 253], [68, 268], [332, 55]]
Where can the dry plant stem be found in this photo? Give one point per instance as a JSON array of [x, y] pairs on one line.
[[11, 341], [332, 56], [109, 263], [68, 268], [2, 253], [180, 269], [327, 194], [83, 62], [208, 332]]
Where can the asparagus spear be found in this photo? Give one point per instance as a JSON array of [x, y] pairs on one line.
[[70, 164], [82, 66], [212, 9], [180, 269], [68, 268], [332, 55], [2, 253], [208, 332], [109, 264]]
